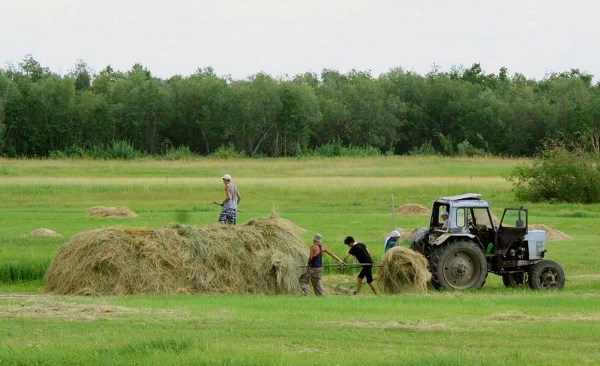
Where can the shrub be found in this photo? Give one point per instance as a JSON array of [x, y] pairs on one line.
[[227, 152], [559, 174], [181, 153], [118, 149], [426, 149], [336, 148]]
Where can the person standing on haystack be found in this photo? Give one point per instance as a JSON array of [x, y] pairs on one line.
[[314, 269], [362, 255], [230, 203]]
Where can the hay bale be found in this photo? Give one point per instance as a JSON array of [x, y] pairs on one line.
[[43, 232], [100, 211], [403, 270], [259, 257]]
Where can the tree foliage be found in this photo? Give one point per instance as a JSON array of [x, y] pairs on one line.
[[560, 173], [460, 112]]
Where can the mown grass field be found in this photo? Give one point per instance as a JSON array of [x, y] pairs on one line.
[[336, 197]]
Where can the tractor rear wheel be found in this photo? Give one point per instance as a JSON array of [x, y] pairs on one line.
[[545, 275], [458, 265], [515, 279]]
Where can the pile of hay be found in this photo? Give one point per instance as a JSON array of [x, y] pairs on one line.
[[43, 232], [403, 270], [260, 257], [413, 209], [100, 211], [552, 234]]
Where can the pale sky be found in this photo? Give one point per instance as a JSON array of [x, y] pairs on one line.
[[284, 37]]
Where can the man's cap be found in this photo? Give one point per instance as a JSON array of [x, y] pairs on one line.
[[349, 240], [226, 177], [317, 237], [395, 234], [444, 213]]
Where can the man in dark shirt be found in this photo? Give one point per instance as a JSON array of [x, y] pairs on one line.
[[362, 255], [314, 268]]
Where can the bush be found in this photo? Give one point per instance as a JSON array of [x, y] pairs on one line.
[[181, 153], [559, 174], [336, 148], [227, 152], [118, 149], [426, 149]]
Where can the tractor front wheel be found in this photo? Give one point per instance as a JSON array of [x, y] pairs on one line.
[[458, 265], [545, 275]]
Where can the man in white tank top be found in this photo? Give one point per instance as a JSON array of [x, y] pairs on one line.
[[232, 198]]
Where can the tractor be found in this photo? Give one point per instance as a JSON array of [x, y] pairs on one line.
[[463, 251]]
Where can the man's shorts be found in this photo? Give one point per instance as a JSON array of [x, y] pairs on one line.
[[228, 216], [366, 272]]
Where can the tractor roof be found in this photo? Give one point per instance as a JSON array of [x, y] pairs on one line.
[[463, 200], [460, 197]]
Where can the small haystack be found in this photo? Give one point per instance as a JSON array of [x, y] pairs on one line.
[[100, 211], [403, 270], [261, 257], [43, 232], [413, 209], [552, 234]]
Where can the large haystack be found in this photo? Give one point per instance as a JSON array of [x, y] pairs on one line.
[[403, 270], [261, 257], [101, 211]]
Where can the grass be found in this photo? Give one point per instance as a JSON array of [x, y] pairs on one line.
[[336, 197]]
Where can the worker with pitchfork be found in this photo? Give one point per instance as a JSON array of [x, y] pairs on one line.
[[362, 255], [230, 203], [314, 269]]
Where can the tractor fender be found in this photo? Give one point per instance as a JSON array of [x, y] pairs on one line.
[[446, 236]]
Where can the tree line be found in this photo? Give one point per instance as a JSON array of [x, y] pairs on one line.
[[463, 111]]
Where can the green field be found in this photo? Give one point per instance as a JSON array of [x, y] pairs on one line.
[[335, 197]]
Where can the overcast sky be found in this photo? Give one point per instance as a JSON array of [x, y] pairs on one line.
[[287, 37]]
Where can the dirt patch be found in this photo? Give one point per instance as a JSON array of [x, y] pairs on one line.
[[552, 234], [46, 307], [43, 232], [422, 326], [522, 317], [592, 276], [100, 211], [413, 209]]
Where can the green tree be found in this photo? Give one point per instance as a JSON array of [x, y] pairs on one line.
[[139, 109], [299, 113], [196, 122], [559, 173], [82, 76]]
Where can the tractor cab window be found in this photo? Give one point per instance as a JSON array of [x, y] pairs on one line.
[[460, 218], [480, 218], [514, 218]]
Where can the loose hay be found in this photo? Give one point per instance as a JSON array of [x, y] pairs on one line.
[[261, 257], [403, 270], [100, 211], [43, 232]]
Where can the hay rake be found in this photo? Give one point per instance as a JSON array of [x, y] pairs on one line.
[[349, 288]]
